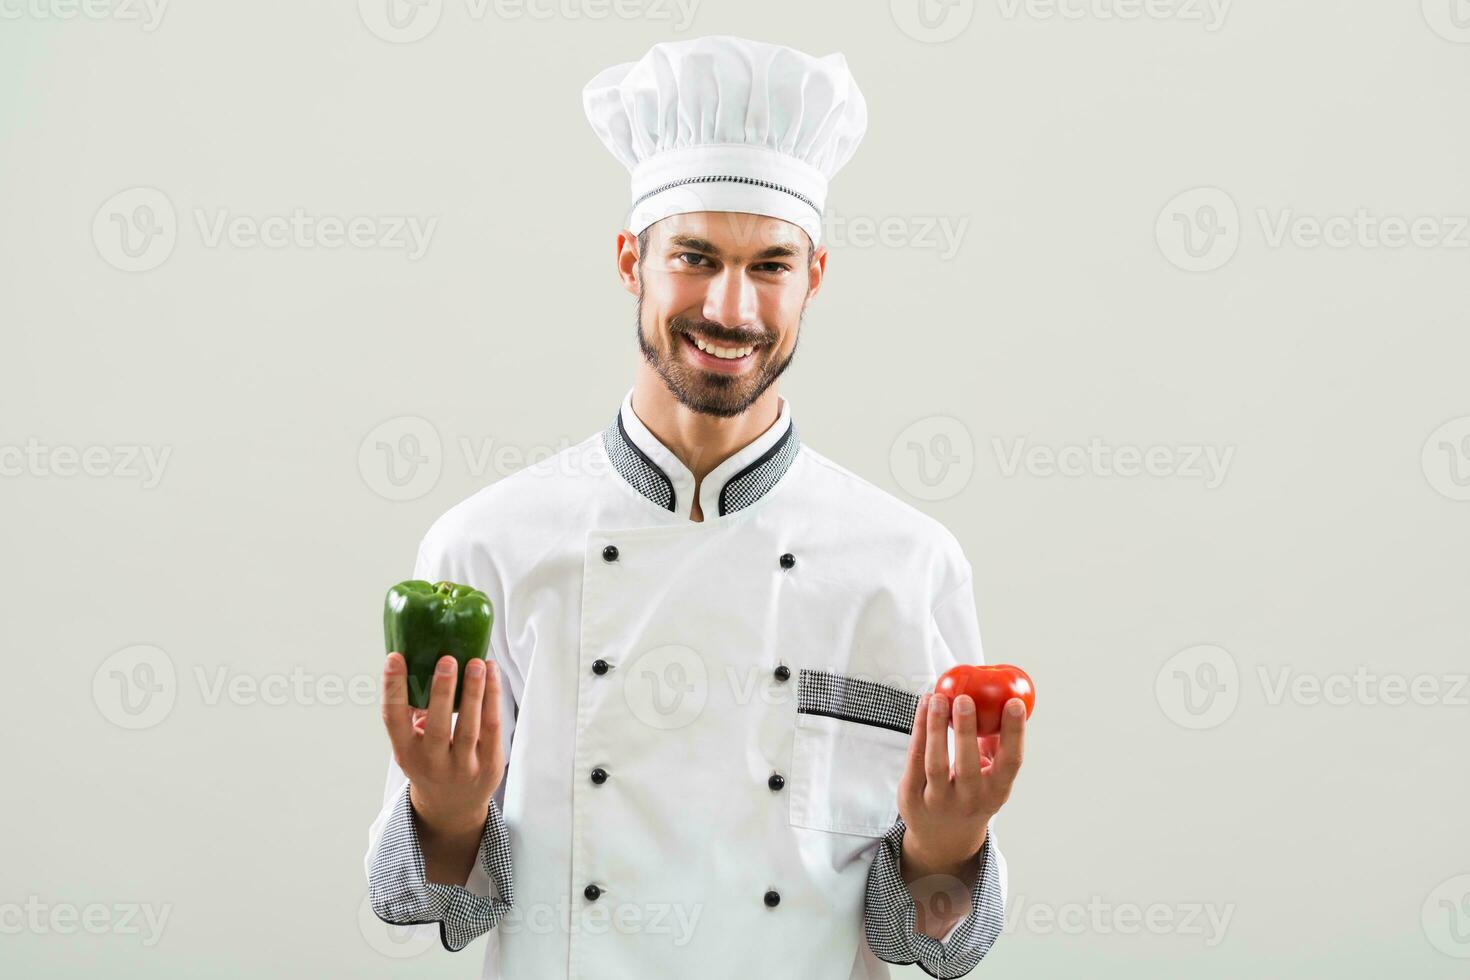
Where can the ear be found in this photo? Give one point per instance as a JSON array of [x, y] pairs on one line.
[[627, 260], [816, 271]]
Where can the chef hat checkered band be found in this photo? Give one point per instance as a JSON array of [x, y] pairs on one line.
[[722, 123]]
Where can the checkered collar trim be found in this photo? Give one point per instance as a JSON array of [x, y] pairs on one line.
[[651, 469]]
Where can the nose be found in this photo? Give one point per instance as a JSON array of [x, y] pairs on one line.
[[731, 299]]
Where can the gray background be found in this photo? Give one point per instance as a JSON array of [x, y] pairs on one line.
[[1167, 775]]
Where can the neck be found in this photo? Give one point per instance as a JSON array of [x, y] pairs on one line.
[[701, 441]]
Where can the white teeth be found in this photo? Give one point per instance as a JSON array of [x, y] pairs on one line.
[[729, 353]]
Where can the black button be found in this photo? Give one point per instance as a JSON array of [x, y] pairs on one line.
[[787, 560], [599, 775], [776, 781], [610, 553], [783, 673], [592, 891], [599, 666], [773, 898]]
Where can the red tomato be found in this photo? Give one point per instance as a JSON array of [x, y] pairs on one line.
[[990, 687]]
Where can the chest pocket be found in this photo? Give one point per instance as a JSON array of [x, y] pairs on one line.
[[849, 751]]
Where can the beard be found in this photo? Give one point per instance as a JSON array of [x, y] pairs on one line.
[[710, 392]]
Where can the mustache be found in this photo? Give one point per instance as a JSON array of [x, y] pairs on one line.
[[718, 334]]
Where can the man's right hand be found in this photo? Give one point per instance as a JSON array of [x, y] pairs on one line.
[[452, 769]]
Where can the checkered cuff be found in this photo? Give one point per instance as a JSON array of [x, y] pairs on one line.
[[889, 915], [401, 896]]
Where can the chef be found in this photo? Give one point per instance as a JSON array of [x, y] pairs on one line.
[[700, 745]]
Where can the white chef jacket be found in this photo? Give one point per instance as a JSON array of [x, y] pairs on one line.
[[705, 721]]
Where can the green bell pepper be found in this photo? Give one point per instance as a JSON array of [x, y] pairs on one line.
[[426, 620]]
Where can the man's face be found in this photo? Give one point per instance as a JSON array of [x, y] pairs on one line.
[[720, 300]]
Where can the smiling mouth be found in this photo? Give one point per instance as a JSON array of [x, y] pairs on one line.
[[730, 354]]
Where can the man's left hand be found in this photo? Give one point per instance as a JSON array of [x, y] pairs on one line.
[[947, 810]]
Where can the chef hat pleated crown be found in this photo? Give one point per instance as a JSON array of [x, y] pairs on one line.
[[722, 123]]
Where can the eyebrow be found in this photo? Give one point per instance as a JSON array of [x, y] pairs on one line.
[[704, 245]]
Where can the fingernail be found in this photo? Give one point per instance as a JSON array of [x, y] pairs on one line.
[[475, 668], [446, 666], [1016, 708], [964, 706], [941, 703]]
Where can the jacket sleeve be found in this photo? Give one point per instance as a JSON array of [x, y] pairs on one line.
[[889, 912], [397, 887]]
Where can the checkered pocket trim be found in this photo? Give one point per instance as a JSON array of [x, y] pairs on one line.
[[823, 692]]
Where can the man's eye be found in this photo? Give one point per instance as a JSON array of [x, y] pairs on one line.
[[686, 256], [774, 267]]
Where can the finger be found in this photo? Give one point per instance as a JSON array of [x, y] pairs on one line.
[[441, 700], [966, 743], [420, 719], [467, 729], [936, 751], [913, 776], [397, 717], [490, 713], [1012, 743]]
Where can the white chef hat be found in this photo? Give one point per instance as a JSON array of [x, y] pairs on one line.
[[722, 123]]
